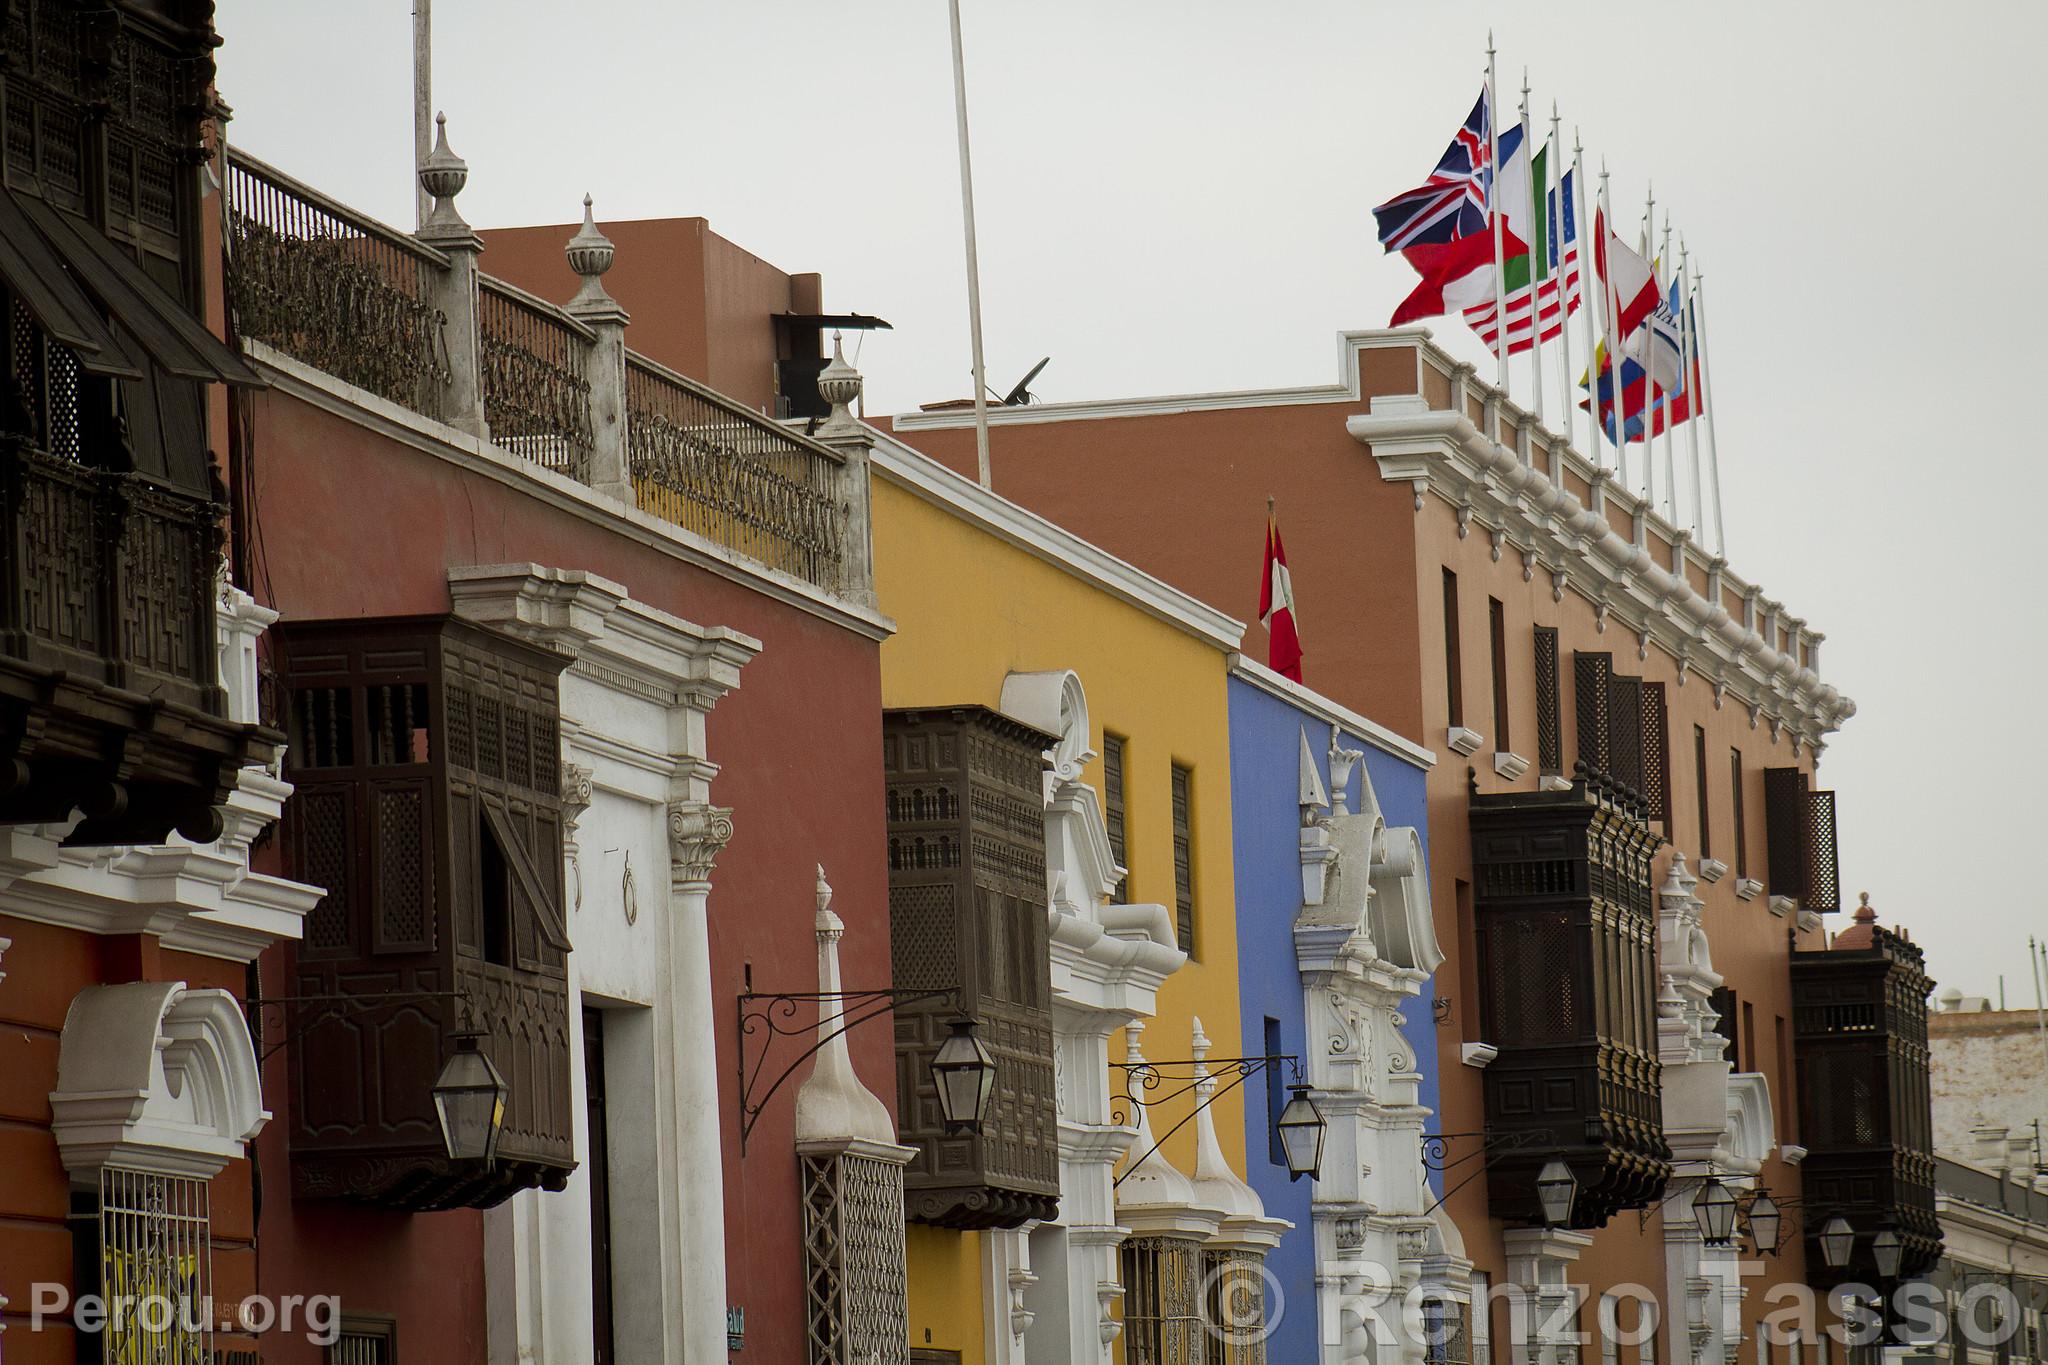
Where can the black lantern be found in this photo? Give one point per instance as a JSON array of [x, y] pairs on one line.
[[1555, 1188], [1837, 1240], [1713, 1208], [1764, 1223], [1884, 1250], [469, 1096], [965, 1075], [1301, 1134]]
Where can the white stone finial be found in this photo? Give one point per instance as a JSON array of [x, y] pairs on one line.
[[1198, 1048], [442, 175], [590, 254], [1315, 795], [827, 921], [832, 1105], [1342, 761], [840, 385]]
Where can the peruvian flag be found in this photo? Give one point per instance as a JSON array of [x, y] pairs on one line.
[[1276, 607]]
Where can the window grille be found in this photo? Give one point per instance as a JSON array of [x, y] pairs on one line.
[[365, 1341], [1590, 675], [1162, 1302], [857, 1310], [1497, 629], [1447, 1331], [1454, 680], [1482, 1317], [1657, 754], [1549, 721], [1113, 807], [156, 1270], [1234, 1298], [1625, 730], [1183, 861]]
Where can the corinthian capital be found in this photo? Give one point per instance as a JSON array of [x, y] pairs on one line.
[[696, 833]]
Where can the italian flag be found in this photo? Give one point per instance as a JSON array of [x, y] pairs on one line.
[[1531, 294], [1276, 606]]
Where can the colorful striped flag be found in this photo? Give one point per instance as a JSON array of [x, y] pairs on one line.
[[1537, 282]]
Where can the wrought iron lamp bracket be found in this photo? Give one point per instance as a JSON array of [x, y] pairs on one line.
[[1182, 1078], [772, 1016], [1436, 1147]]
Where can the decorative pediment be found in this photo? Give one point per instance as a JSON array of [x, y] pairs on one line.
[[1751, 1134], [1365, 887], [1403, 924], [1053, 701], [154, 1077]]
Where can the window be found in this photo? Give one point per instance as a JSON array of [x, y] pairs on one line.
[[1276, 1095], [1784, 1058], [153, 1238], [1741, 832], [1699, 767], [1113, 807], [1749, 1035], [1482, 1318], [1183, 862], [1727, 1025], [1446, 1330], [1162, 1299], [365, 1339], [1656, 760], [598, 1159], [1235, 1285], [1549, 722], [494, 890], [1454, 679], [1497, 625], [1591, 674]]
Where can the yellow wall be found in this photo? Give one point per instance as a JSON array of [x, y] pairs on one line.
[[943, 1267], [970, 608]]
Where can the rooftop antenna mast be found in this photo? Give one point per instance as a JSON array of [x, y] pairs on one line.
[[422, 100], [973, 266]]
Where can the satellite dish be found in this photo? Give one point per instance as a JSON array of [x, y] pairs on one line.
[[1019, 396]]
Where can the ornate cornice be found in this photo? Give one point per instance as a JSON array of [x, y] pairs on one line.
[[1446, 453], [697, 833]]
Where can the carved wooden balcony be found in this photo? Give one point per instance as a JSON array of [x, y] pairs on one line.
[[426, 755], [1567, 940], [967, 910], [1859, 1013]]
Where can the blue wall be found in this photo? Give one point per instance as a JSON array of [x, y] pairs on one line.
[[1265, 767]]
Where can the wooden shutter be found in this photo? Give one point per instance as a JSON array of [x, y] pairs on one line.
[[1183, 861], [1549, 720], [1590, 674]]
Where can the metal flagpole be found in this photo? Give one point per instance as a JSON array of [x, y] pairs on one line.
[[1592, 382], [1649, 380], [1689, 345], [1707, 399], [973, 266], [1612, 303], [1538, 260], [422, 100], [1555, 236], [1670, 436], [1500, 312]]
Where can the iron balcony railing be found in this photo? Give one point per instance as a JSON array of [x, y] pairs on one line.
[[347, 295]]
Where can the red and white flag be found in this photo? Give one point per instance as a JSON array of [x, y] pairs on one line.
[[1276, 607]]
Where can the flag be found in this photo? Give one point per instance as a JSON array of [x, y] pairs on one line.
[[1634, 283], [1530, 275], [1276, 607], [1456, 276], [1659, 344], [1452, 202]]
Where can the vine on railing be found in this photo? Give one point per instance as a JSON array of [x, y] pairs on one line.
[[333, 289], [707, 464], [536, 378]]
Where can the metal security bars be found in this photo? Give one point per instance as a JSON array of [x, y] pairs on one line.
[[535, 377], [1162, 1301], [332, 288], [156, 1268], [703, 462]]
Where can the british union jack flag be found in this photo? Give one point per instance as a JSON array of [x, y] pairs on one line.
[[1452, 202]]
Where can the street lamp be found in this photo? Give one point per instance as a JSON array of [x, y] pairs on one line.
[[469, 1096], [1301, 1134], [965, 1075], [1885, 1249], [1713, 1208], [1764, 1223], [1837, 1239], [1555, 1188]]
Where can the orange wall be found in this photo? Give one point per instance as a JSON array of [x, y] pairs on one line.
[[699, 304]]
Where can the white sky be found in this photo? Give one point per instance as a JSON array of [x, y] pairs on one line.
[[1174, 195]]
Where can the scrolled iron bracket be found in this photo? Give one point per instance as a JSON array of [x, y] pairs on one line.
[[769, 1017], [1182, 1077]]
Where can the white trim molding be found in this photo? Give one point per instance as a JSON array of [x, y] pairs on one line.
[[1712, 870], [1479, 1055], [154, 1077], [1330, 712], [1509, 765], [1464, 740], [1748, 888]]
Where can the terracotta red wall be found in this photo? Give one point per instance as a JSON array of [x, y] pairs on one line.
[[357, 525]]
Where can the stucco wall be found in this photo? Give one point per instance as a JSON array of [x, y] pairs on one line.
[[1990, 1069]]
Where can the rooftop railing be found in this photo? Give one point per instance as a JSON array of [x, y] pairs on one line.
[[411, 319]]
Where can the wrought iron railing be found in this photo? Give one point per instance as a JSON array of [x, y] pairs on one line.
[[334, 289], [536, 378], [703, 462]]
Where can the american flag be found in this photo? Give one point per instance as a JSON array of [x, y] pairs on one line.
[[1559, 289], [1452, 202]]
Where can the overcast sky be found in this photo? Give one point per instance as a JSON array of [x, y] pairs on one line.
[[1175, 195]]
